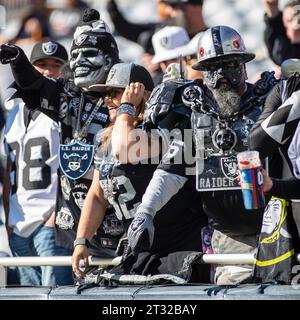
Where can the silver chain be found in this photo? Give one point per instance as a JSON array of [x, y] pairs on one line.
[[79, 133]]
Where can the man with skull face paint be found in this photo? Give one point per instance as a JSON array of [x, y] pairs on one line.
[[229, 107], [80, 112], [222, 56]]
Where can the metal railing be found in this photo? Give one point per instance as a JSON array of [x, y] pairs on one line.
[[226, 259], [231, 259]]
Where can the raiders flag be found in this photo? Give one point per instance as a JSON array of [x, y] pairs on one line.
[[276, 254]]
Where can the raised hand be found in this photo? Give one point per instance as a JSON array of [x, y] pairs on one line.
[[8, 53], [133, 93], [271, 7]]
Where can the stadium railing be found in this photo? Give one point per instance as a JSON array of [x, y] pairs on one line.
[[230, 259]]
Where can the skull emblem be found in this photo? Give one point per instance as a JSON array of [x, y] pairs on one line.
[[90, 66], [79, 198]]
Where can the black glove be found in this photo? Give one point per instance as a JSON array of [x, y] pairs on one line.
[[8, 53], [141, 233], [122, 249]]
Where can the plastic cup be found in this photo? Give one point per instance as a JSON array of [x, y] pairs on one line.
[[251, 179]]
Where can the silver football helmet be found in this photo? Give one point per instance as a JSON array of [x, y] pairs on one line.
[[220, 41]]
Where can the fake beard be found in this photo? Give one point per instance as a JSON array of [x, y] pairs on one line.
[[228, 100]]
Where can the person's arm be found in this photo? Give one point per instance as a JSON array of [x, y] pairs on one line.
[[274, 28], [24, 73], [126, 29], [271, 7], [285, 188], [276, 124], [258, 139], [91, 217], [282, 188], [37, 91], [130, 144], [274, 31], [277, 42], [162, 187]]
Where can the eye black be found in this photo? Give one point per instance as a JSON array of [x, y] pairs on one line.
[[90, 53]]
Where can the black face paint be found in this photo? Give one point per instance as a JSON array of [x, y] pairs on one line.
[[232, 71]]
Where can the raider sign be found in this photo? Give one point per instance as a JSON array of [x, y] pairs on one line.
[[217, 173]]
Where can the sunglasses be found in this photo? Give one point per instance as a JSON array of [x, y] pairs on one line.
[[113, 93]]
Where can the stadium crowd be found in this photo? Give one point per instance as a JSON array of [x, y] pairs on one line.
[[137, 159]]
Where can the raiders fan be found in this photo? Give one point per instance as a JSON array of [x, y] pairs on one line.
[[124, 176], [222, 115], [127, 88], [80, 112], [32, 140]]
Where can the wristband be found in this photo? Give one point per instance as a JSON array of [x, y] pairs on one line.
[[82, 241], [127, 108]]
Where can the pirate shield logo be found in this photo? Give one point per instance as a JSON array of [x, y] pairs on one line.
[[229, 167], [75, 159], [49, 48]]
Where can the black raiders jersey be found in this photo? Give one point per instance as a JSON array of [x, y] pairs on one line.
[[177, 225], [123, 186]]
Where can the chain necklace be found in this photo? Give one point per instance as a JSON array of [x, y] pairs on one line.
[[199, 102], [79, 133], [213, 113]]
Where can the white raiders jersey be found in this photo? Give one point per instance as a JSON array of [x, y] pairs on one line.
[[34, 163]]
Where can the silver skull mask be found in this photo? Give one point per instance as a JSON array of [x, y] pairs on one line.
[[79, 198], [90, 66]]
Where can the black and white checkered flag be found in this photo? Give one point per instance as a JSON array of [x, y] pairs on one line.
[[282, 123]]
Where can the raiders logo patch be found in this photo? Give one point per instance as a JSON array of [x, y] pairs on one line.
[[80, 39], [75, 159], [164, 41], [49, 48], [88, 107], [229, 167], [93, 40]]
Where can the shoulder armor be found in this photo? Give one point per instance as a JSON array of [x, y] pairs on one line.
[[165, 99]]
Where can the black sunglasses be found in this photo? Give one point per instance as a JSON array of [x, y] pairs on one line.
[[114, 93]]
